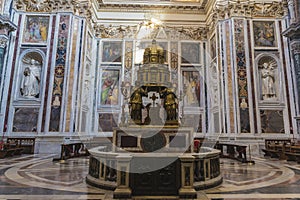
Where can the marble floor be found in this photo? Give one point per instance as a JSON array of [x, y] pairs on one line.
[[38, 177]]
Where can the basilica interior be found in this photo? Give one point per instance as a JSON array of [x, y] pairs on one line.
[[150, 99]]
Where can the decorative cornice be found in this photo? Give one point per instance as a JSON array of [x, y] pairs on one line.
[[152, 8], [80, 7], [114, 31], [251, 9], [195, 33], [293, 31], [6, 25]]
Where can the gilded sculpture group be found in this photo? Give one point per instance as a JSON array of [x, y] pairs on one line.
[[170, 104]]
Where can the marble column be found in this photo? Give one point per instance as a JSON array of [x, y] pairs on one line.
[[3, 42], [296, 57]]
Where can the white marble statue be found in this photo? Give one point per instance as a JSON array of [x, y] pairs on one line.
[[268, 82], [30, 85]]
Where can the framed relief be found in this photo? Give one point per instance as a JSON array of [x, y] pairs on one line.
[[112, 51], [191, 83], [89, 44], [36, 29], [213, 47], [264, 34], [190, 53], [109, 95]]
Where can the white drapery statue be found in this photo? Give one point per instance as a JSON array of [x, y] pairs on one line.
[[30, 85], [268, 82]]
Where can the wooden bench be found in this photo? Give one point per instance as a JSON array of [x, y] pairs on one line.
[[9, 150], [233, 151], [275, 148], [27, 144], [293, 153], [72, 150]]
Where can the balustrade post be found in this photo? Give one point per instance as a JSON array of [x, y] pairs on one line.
[[187, 177], [123, 189]]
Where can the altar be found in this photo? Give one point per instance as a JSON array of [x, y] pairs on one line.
[[152, 154]]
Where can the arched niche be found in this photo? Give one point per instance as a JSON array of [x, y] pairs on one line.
[[30, 75], [269, 79]]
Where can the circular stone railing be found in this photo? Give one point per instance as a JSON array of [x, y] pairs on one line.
[[111, 171]]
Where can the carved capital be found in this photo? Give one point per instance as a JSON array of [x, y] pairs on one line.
[[3, 41], [6, 26], [295, 45]]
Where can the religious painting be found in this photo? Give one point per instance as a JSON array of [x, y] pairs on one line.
[[264, 34], [190, 53], [109, 87], [112, 51], [145, 44], [192, 88], [36, 29]]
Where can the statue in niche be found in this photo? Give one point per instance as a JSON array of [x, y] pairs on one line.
[[268, 81], [30, 85], [136, 103]]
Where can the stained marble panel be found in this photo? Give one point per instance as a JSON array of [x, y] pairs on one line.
[[272, 121], [107, 121], [193, 120], [25, 120]]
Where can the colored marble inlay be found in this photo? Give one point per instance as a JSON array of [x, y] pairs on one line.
[[59, 72], [241, 73], [71, 74], [25, 120], [272, 121]]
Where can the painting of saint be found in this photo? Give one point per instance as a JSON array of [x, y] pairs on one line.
[[190, 53], [191, 83], [110, 87], [112, 51], [264, 34], [36, 29]]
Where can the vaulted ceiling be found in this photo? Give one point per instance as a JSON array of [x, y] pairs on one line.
[[182, 12]]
